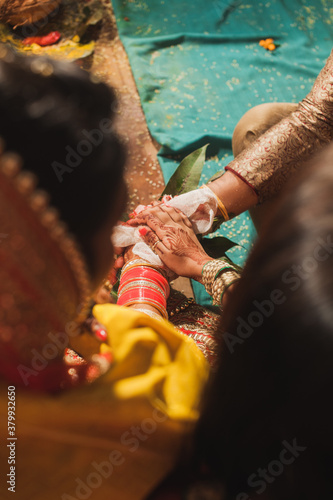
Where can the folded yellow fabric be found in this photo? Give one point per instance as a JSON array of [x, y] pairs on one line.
[[151, 360], [118, 437]]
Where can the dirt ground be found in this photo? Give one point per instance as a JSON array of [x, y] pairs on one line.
[[110, 63], [143, 174]]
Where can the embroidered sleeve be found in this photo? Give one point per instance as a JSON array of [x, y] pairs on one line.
[[280, 151]]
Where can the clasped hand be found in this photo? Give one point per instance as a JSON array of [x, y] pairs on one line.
[[170, 234]]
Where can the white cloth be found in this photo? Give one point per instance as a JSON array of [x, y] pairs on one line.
[[199, 206]]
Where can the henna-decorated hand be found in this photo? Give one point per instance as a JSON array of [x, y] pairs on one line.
[[170, 235], [124, 254]]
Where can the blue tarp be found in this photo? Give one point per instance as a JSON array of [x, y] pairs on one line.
[[199, 67]]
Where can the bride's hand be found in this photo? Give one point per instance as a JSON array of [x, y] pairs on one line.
[[170, 235]]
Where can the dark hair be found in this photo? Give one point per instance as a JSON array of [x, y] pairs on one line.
[[275, 379], [56, 117]]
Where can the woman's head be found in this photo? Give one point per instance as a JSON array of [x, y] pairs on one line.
[[274, 385], [60, 121]]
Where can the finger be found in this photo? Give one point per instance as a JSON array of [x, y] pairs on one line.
[[119, 262], [138, 210], [138, 220], [161, 230], [118, 250], [156, 211], [176, 215], [145, 218], [134, 222], [113, 276], [167, 215], [102, 296], [160, 249], [149, 237], [156, 245], [154, 223], [149, 208]]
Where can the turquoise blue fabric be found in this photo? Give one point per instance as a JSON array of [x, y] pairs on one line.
[[199, 67]]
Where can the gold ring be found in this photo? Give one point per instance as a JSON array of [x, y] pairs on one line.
[[154, 245]]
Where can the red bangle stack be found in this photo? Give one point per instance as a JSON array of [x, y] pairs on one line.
[[143, 284]]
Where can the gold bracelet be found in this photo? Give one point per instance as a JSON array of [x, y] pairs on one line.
[[157, 306], [139, 263], [150, 313], [221, 206], [235, 280], [221, 284], [217, 275], [211, 271]]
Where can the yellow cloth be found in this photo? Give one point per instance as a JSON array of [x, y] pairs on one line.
[[119, 436]]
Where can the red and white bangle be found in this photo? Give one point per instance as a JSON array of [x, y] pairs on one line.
[[143, 284]]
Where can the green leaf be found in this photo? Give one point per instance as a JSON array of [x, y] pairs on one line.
[[124, 217], [187, 176], [216, 176], [216, 247], [114, 291], [86, 11]]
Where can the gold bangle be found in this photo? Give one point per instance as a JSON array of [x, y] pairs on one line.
[[154, 304], [221, 206], [235, 280], [212, 270], [150, 313], [139, 263]]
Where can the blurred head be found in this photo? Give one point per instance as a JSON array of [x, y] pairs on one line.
[[60, 121], [275, 379]]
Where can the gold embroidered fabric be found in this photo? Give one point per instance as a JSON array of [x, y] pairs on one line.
[[43, 280], [197, 322], [283, 149]]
